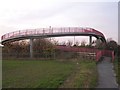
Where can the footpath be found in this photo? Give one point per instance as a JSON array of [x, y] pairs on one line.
[[107, 78]]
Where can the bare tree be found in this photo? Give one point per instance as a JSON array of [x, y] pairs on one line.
[[69, 43], [77, 43], [12, 48], [42, 47], [24, 48], [99, 44], [63, 43], [55, 42], [83, 43]]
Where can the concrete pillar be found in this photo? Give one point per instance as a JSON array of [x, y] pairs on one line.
[[74, 41], [90, 41], [31, 48]]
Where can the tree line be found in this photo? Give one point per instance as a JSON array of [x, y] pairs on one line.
[[46, 48]]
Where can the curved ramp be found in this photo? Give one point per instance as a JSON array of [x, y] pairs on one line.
[[52, 32]]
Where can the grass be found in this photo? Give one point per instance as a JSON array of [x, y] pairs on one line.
[[85, 76], [48, 74], [117, 68]]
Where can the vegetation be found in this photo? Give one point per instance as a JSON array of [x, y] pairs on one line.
[[35, 74], [43, 48], [117, 68], [84, 76], [48, 74], [18, 49], [117, 64], [51, 74]]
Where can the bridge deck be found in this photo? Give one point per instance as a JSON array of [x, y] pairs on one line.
[[52, 32]]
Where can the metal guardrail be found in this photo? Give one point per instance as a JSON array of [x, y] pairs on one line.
[[108, 53], [43, 31], [89, 51]]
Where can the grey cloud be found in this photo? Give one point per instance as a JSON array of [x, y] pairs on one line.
[[48, 12]]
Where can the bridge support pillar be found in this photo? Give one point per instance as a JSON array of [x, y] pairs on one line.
[[31, 48], [90, 41]]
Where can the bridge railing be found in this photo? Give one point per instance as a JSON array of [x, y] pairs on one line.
[[99, 53], [108, 53], [49, 31], [76, 49]]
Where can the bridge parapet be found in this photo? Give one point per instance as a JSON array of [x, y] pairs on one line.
[[54, 30]]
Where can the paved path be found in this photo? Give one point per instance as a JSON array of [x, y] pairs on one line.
[[106, 74]]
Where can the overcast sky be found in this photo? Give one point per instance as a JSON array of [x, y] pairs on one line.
[[25, 14]]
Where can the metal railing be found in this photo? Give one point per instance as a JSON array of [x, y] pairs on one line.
[[43, 31], [98, 53], [108, 53]]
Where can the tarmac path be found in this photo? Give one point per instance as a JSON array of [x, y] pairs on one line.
[[106, 74]]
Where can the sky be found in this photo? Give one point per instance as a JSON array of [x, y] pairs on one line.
[[101, 15]]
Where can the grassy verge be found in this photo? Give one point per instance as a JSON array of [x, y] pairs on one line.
[[48, 74], [117, 68], [85, 76]]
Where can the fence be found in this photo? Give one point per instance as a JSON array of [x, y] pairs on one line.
[[67, 52], [98, 53], [101, 53]]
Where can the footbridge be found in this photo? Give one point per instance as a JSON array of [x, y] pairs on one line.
[[51, 32]]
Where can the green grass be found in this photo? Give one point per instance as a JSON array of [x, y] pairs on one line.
[[35, 73], [85, 76], [117, 68], [48, 74]]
